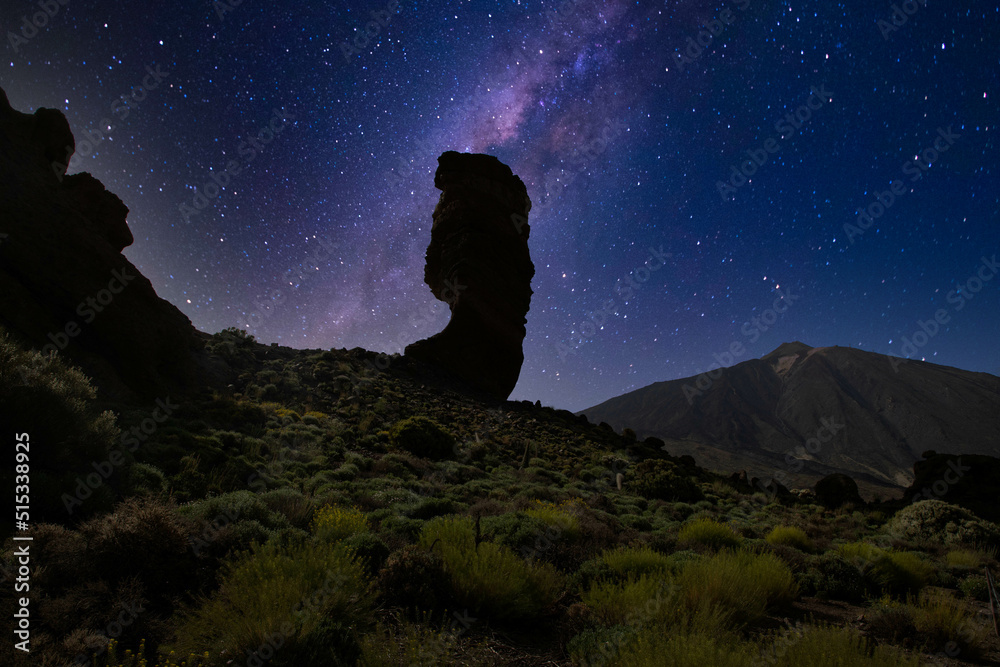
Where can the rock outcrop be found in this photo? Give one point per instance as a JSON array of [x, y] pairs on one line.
[[64, 284], [478, 263]]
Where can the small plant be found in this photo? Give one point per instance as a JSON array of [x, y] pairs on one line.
[[710, 534], [489, 577], [975, 587], [888, 571], [964, 559], [790, 536], [743, 584], [942, 623], [825, 646], [422, 437], [656, 478], [559, 516], [332, 523], [307, 599]]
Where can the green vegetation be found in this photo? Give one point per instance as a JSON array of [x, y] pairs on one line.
[[708, 533], [790, 536], [325, 508]]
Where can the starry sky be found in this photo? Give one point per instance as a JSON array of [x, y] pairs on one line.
[[704, 177]]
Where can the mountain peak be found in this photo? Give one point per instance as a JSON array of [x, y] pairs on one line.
[[787, 350]]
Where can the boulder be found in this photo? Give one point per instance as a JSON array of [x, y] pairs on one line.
[[836, 490]]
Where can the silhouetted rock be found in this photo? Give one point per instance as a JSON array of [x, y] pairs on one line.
[[478, 263], [836, 490], [64, 284], [969, 480]]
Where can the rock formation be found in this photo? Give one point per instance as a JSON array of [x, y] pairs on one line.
[[478, 263], [64, 284]]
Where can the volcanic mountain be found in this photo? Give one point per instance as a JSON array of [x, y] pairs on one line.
[[800, 413]]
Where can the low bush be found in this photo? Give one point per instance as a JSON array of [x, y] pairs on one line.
[[975, 587], [790, 536], [944, 624], [413, 578], [826, 646], [309, 600], [489, 578], [887, 571], [656, 478], [708, 533], [332, 523], [422, 437], [742, 583], [935, 522]]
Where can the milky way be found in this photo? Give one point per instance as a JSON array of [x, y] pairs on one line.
[[701, 175]]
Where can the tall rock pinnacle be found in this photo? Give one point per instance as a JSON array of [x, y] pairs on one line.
[[478, 263]]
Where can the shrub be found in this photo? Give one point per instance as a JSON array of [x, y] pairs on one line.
[[145, 538], [887, 571], [710, 534], [422, 437], [826, 646], [309, 599], [146, 478], [656, 478], [332, 523], [940, 523], [891, 621], [54, 404], [242, 505], [742, 583], [560, 516], [692, 641], [412, 578], [942, 623], [370, 548], [965, 559], [831, 576], [488, 577], [291, 504], [633, 601], [975, 587], [790, 536]]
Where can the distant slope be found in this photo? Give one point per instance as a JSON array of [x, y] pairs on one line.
[[882, 412]]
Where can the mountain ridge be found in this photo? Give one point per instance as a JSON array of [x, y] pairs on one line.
[[762, 414]]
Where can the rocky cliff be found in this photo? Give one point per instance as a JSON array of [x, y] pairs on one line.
[[65, 286]]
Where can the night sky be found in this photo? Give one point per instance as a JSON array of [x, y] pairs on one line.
[[653, 252]]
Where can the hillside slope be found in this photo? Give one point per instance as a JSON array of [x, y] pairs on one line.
[[800, 412]]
